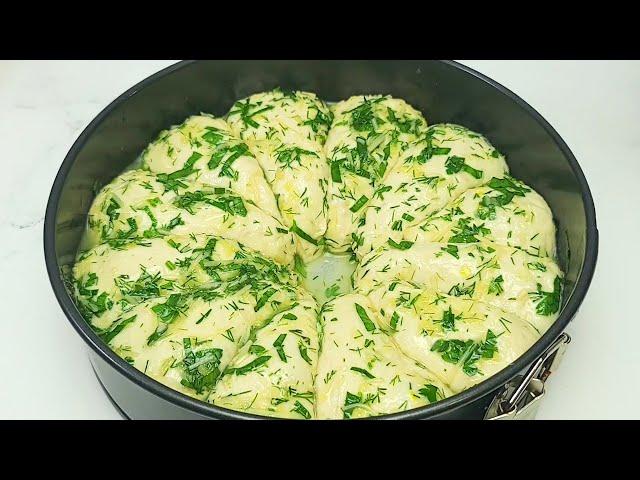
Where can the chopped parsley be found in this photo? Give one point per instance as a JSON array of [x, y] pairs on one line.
[[448, 320], [110, 334], [429, 151], [147, 286], [227, 203], [301, 410], [541, 267], [302, 234], [403, 245], [91, 302], [256, 349], [321, 120], [299, 266], [459, 290], [508, 188], [466, 353], [351, 401], [456, 164], [246, 111], [359, 204], [279, 348], [213, 136], [112, 210], [167, 313], [395, 318], [287, 156], [233, 151], [172, 181], [362, 371], [332, 291], [465, 232], [264, 298], [430, 392], [362, 313], [251, 366], [362, 117], [407, 125], [496, 286], [548, 303], [170, 310], [451, 250], [335, 171], [302, 348], [200, 368]]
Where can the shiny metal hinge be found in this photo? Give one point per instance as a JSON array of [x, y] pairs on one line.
[[520, 398]]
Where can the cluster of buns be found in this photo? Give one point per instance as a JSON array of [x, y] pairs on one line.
[[191, 265]]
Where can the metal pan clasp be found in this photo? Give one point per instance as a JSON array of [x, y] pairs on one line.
[[520, 398]]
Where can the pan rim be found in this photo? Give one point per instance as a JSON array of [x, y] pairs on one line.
[[452, 403]]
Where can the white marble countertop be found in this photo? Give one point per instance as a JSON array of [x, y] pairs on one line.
[[44, 105]]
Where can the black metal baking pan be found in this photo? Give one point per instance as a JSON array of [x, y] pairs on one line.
[[444, 91]]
